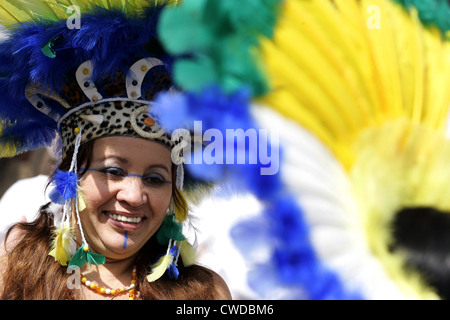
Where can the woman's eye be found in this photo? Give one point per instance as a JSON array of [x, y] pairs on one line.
[[114, 172], [153, 180]]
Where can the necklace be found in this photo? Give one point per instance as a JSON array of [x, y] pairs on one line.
[[113, 292]]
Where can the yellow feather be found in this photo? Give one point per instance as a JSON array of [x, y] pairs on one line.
[[11, 14], [160, 267], [80, 199], [14, 12], [7, 149], [181, 208], [188, 254], [336, 76], [63, 246]]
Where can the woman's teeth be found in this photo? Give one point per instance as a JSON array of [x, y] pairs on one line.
[[119, 217]]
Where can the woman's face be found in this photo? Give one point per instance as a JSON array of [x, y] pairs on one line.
[[123, 213]]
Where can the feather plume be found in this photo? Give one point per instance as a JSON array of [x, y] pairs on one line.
[[188, 254], [160, 267], [81, 202], [19, 11], [22, 61], [66, 184], [63, 245], [81, 257], [181, 211]]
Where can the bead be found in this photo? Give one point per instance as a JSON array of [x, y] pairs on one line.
[[101, 290], [94, 98], [133, 94], [85, 71], [144, 68], [149, 121], [77, 131], [85, 248]]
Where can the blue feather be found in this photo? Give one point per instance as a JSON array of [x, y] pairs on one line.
[[111, 39], [66, 183]]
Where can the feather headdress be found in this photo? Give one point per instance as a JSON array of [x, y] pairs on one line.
[[358, 93]]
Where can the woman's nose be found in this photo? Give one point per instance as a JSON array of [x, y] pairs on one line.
[[132, 191]]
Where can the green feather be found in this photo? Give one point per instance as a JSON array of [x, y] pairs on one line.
[[47, 49], [221, 39], [81, 257], [169, 229]]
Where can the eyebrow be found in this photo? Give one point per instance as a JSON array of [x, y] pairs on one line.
[[125, 161]]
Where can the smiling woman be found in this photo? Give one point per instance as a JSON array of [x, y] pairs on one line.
[[116, 204], [117, 211], [127, 193]]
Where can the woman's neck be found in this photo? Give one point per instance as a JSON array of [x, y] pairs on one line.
[[112, 269]]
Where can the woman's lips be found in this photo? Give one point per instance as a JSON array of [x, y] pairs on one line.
[[125, 222]]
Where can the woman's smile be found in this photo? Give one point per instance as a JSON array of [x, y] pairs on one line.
[[125, 221]]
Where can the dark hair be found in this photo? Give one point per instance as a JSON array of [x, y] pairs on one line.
[[423, 234], [32, 274]]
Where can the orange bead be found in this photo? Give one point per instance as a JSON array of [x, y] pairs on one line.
[[149, 121], [133, 281]]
